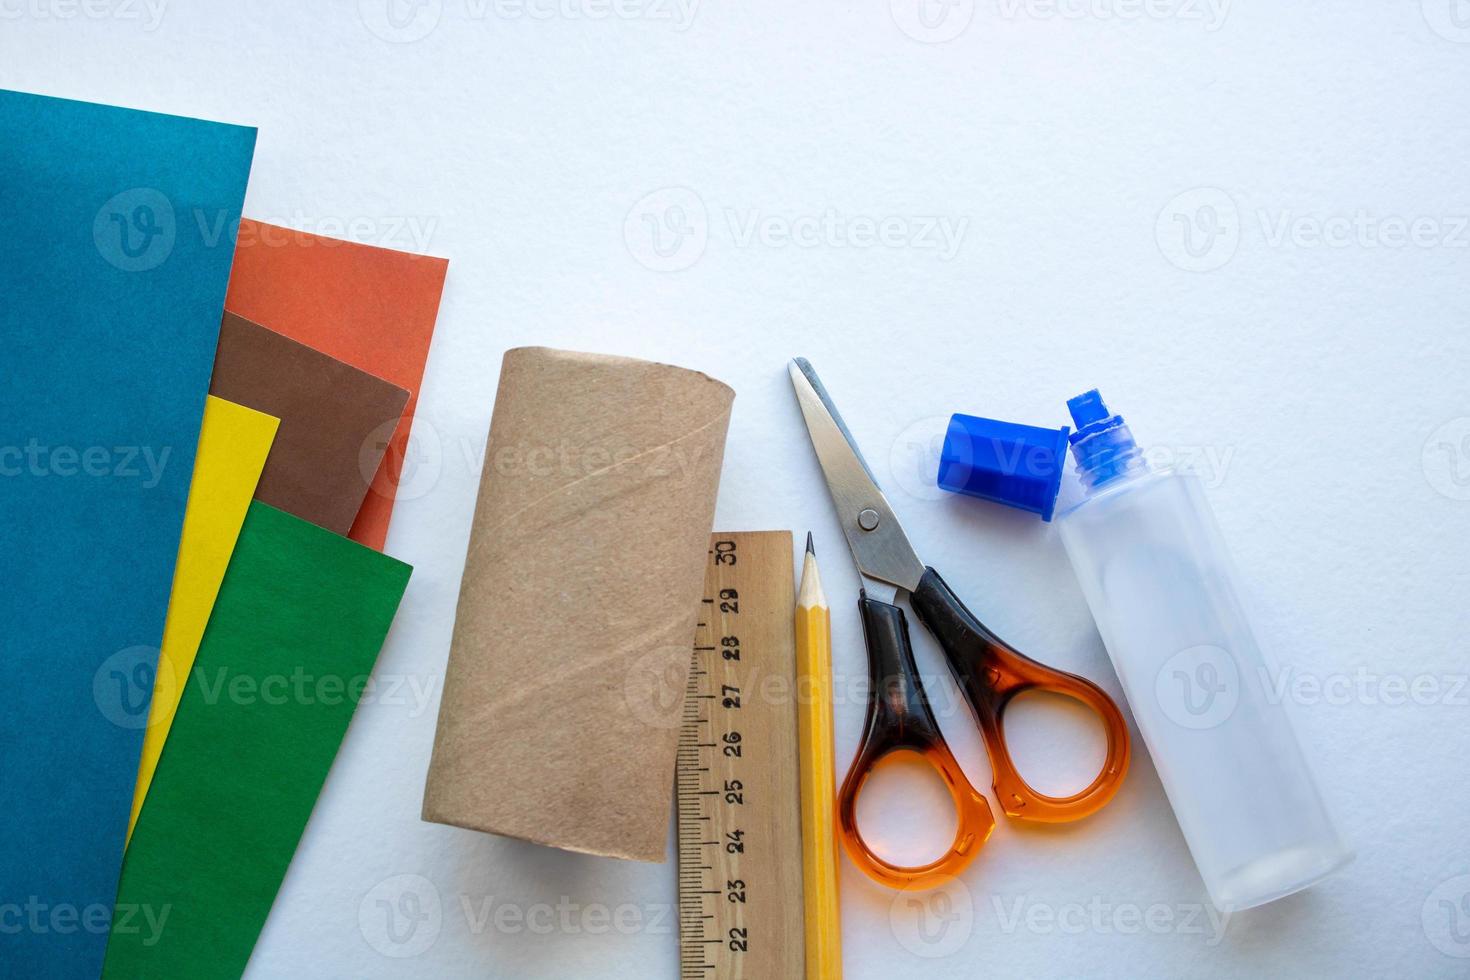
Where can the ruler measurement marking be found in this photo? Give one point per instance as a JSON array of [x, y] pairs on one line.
[[740, 903]]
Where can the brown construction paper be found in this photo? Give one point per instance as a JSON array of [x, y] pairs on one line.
[[372, 307], [562, 700], [325, 453]]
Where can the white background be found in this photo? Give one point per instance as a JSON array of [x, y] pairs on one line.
[[1200, 209]]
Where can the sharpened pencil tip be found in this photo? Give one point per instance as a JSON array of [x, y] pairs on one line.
[[809, 549]]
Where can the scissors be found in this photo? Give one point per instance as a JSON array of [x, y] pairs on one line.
[[988, 670]]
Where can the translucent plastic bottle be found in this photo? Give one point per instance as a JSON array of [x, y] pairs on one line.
[[1207, 700]]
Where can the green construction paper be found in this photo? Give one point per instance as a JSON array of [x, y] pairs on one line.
[[300, 617]]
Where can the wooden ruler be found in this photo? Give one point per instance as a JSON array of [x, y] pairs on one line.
[[740, 901]]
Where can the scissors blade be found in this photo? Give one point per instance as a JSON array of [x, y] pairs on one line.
[[879, 546]]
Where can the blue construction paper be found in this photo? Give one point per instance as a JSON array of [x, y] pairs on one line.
[[117, 229]]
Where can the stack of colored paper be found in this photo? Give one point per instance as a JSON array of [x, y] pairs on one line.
[[189, 624]]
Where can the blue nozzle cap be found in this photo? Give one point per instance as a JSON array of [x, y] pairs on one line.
[[1102, 446], [1012, 464], [1088, 408]]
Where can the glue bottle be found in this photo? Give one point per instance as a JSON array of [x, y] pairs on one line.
[[1207, 700]]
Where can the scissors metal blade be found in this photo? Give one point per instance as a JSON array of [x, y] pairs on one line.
[[879, 546]]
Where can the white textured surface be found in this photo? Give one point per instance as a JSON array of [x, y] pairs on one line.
[[1327, 376]]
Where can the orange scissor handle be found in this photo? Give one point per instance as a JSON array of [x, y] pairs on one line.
[[992, 672], [899, 720]]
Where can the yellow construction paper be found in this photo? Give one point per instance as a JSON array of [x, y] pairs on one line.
[[233, 444]]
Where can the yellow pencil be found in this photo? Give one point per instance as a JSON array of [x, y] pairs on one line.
[[818, 777]]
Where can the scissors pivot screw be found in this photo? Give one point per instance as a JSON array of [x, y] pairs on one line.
[[868, 519]]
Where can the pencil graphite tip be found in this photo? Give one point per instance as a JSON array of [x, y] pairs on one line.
[[809, 594]]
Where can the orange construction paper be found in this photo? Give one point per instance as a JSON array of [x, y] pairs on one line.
[[371, 307]]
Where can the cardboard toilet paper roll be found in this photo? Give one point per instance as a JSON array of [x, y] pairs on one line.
[[561, 706]]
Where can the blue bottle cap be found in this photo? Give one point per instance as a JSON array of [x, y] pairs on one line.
[[1102, 446], [1012, 464]]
